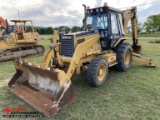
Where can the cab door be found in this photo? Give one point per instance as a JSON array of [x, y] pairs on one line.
[[115, 28]]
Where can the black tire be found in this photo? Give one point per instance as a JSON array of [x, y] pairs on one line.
[[40, 49], [93, 70], [124, 57]]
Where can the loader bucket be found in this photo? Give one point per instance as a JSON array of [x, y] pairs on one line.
[[47, 90]]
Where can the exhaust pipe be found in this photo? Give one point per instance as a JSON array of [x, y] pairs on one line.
[[85, 18]]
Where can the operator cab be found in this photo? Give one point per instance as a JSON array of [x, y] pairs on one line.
[[108, 22], [23, 29], [25, 32]]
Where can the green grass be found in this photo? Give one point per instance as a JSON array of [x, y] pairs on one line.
[[134, 94], [156, 34]]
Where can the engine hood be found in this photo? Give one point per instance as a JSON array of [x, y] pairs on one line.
[[83, 33]]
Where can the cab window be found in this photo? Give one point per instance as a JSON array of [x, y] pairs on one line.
[[114, 24]]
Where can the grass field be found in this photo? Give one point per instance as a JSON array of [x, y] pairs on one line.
[[134, 94], [155, 35]]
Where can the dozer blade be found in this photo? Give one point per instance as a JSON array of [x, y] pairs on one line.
[[47, 90]]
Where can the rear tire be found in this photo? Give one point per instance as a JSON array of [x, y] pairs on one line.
[[124, 57], [97, 72]]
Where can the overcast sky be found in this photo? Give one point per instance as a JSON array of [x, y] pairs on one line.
[[67, 12]]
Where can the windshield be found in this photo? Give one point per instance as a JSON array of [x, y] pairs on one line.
[[98, 21]]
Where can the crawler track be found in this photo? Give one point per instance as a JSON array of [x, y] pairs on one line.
[[21, 51]]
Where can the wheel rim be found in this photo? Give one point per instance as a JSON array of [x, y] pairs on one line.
[[101, 72], [127, 57]]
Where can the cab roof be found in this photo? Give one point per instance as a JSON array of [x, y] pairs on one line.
[[105, 8]]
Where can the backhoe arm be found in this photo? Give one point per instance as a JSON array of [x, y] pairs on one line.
[[80, 52], [130, 14]]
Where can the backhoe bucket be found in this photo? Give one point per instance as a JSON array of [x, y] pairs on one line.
[[137, 49], [47, 90]]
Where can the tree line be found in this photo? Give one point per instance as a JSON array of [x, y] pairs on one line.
[[49, 30], [151, 25]]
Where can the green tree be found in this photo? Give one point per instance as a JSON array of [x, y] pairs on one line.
[[153, 23], [140, 27], [75, 29], [38, 30], [56, 28], [43, 30], [49, 30]]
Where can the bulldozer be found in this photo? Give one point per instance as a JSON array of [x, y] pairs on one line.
[[19, 40], [48, 87], [63, 30]]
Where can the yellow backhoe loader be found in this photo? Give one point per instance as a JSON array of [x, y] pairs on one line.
[[22, 42], [48, 87]]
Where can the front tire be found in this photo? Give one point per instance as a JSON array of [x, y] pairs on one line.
[[97, 72]]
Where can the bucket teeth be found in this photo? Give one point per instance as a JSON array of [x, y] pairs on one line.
[[52, 86]]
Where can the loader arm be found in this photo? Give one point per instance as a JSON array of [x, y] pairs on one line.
[[79, 53], [47, 58], [51, 52]]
